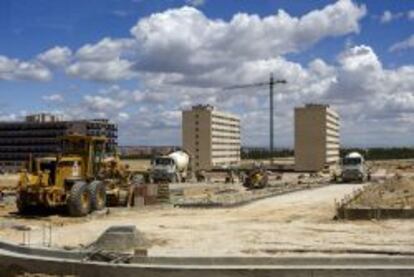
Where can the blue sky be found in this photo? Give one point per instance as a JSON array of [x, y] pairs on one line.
[[140, 62]]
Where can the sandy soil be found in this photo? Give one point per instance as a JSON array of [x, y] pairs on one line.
[[8, 181], [138, 165], [297, 220], [397, 193], [404, 167]]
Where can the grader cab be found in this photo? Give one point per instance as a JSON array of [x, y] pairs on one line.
[[68, 179], [257, 178]]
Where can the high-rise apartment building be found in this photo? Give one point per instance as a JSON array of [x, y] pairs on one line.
[[211, 137], [316, 137]]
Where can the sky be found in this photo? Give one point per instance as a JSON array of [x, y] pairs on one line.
[[141, 62]]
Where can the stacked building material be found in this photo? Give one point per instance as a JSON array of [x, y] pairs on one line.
[[164, 193], [146, 195]]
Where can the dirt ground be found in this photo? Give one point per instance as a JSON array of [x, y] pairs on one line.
[[138, 165], [8, 181], [301, 220], [405, 167], [291, 222], [397, 192]]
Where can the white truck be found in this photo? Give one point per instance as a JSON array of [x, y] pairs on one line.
[[171, 168], [353, 168]]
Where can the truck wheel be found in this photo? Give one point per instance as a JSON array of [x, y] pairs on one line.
[[98, 195], [79, 201]]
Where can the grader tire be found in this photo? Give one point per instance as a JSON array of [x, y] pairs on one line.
[[21, 204], [79, 202], [98, 195]]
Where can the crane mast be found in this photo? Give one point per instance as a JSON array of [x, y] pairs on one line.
[[271, 83]]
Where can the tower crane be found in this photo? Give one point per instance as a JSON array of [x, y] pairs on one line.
[[271, 83]]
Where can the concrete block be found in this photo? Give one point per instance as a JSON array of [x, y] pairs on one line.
[[152, 190], [139, 201], [150, 200], [141, 191]]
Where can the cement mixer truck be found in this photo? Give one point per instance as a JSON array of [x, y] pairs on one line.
[[170, 168], [353, 168]]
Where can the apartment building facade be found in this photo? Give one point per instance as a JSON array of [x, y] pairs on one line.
[[316, 137], [39, 134], [211, 137]]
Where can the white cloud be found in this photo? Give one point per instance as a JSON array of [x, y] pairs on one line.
[[123, 116], [184, 41], [195, 3], [56, 56], [112, 70], [8, 117], [121, 13], [203, 44], [410, 15], [177, 69], [374, 102], [388, 16], [53, 98], [105, 50], [359, 73], [103, 104], [403, 45], [104, 61], [14, 69], [364, 81]]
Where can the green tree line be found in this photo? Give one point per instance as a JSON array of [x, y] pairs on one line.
[[377, 153], [257, 154], [382, 153]]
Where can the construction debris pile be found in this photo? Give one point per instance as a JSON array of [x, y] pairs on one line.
[[120, 239]]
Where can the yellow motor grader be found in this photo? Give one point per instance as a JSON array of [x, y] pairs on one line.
[[257, 178], [78, 177]]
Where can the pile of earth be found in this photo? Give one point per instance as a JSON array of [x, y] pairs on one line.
[[394, 193]]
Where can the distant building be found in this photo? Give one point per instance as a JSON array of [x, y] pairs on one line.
[[39, 134], [212, 138], [43, 117], [316, 137]]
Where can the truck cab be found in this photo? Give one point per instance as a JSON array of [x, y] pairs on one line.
[[353, 167], [171, 168], [164, 169]]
